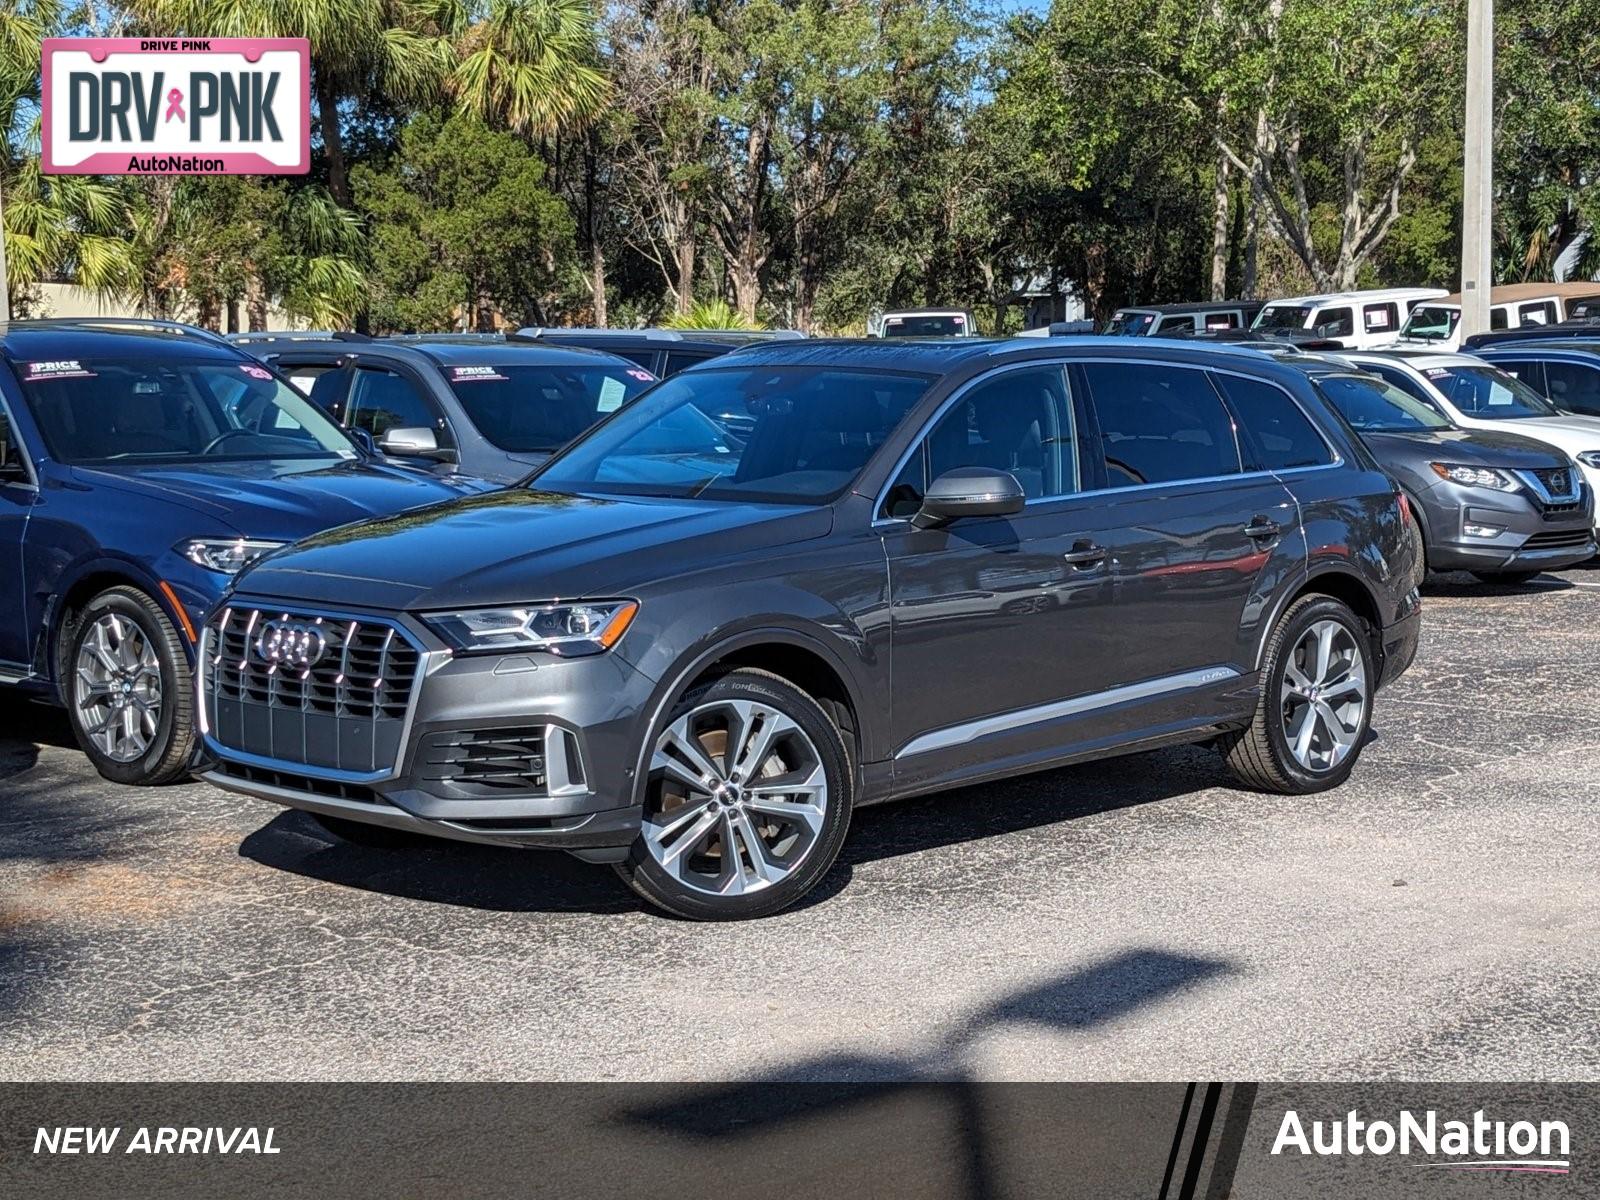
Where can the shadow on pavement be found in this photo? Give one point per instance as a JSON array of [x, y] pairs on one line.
[[973, 1127], [509, 880], [1461, 585]]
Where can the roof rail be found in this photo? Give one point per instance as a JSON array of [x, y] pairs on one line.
[[1578, 327], [124, 324], [465, 339], [296, 335], [655, 333]]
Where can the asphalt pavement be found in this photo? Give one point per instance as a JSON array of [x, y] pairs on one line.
[[1438, 917]]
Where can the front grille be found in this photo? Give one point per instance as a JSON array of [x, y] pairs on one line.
[[339, 706], [1557, 539], [486, 760], [1557, 481]]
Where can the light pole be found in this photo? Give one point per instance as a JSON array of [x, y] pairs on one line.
[[1477, 183]]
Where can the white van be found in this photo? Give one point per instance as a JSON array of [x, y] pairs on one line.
[[1436, 325], [1356, 320]]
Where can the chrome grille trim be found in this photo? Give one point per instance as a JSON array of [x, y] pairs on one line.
[[373, 681], [1552, 485]]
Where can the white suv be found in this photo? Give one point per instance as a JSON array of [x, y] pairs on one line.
[[1476, 395], [1356, 320]]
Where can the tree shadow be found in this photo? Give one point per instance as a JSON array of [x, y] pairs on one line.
[[933, 1097], [511, 880]]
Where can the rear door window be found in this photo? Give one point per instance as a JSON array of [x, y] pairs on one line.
[[681, 360], [1530, 371], [1334, 323], [1275, 434], [1380, 318], [1574, 387], [1223, 320], [1160, 424], [1542, 312], [1175, 326]]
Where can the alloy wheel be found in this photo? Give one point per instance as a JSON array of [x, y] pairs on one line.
[[739, 797], [117, 688], [1324, 696]]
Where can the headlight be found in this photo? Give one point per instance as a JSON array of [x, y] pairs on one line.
[[227, 555], [1590, 458], [568, 630], [1484, 477]]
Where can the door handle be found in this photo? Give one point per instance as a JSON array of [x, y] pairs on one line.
[[1085, 554], [1261, 528]]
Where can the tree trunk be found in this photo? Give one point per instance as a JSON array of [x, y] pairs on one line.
[[1220, 197], [255, 304], [597, 281], [333, 143], [591, 221], [685, 262]]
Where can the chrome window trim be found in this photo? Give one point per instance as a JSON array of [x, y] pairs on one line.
[[967, 731], [428, 661], [1063, 364]]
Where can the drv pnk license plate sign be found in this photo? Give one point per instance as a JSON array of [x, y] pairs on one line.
[[177, 106]]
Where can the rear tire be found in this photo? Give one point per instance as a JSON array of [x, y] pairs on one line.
[[1318, 669], [128, 689], [747, 803]]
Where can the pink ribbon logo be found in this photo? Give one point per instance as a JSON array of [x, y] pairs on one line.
[[175, 105]]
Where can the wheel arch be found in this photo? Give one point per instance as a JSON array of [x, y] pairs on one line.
[[800, 658], [69, 601], [1343, 585]]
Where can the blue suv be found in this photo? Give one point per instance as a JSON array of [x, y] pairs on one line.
[[140, 468]]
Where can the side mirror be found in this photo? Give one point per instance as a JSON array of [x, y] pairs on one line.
[[416, 441], [970, 492]]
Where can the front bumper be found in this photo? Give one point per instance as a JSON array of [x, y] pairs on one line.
[[1528, 536], [517, 750]]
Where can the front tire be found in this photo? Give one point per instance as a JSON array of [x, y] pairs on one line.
[[747, 802], [1317, 685], [129, 691]]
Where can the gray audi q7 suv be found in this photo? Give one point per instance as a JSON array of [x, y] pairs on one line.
[[692, 652]]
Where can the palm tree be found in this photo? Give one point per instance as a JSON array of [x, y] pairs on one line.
[[359, 48], [23, 26], [527, 64]]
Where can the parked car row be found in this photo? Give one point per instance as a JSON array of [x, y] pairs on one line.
[[711, 616]]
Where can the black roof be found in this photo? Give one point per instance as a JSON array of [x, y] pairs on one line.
[[89, 339], [474, 352], [665, 339], [1587, 328], [940, 356], [1193, 306], [1573, 345]]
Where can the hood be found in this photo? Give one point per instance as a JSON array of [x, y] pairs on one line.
[[514, 546], [1470, 447], [1570, 427], [281, 500]]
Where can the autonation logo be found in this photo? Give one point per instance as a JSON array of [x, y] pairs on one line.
[[1478, 1144]]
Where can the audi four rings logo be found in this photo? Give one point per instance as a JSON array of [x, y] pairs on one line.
[[290, 643]]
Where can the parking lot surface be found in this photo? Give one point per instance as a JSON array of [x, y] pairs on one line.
[[1435, 918]]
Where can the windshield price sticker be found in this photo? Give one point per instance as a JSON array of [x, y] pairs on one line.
[[61, 368], [475, 375], [642, 376], [254, 371]]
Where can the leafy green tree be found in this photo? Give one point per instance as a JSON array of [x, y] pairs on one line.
[[528, 64], [463, 229], [710, 314]]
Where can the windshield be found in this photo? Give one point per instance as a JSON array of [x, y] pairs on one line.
[[104, 411], [1374, 406], [1489, 392], [524, 408], [1129, 323], [810, 433], [1282, 316], [944, 325], [1431, 322]]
